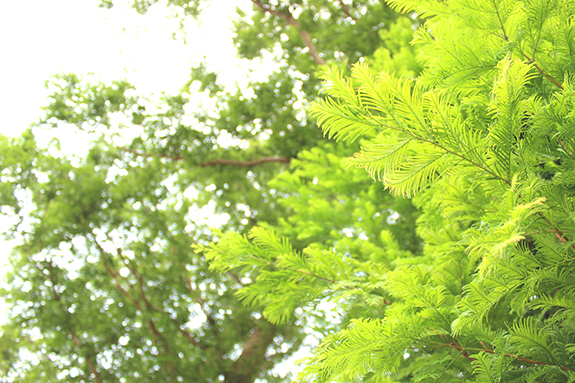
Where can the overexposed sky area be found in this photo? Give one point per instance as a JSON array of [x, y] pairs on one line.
[[40, 38]]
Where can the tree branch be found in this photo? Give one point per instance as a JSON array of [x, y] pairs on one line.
[[222, 161], [345, 9], [255, 162], [156, 335], [149, 306], [288, 17], [148, 155], [543, 72], [486, 350], [199, 301], [116, 278]]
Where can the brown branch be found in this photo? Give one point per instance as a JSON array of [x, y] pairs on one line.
[[159, 338], [345, 10], [139, 279], [255, 162], [89, 362], [558, 233], [148, 305], [288, 17], [543, 72], [201, 302], [250, 163], [236, 278], [116, 278], [156, 335], [463, 351]]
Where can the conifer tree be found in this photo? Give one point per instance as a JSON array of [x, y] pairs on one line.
[[482, 141]]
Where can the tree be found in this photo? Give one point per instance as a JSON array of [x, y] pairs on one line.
[[106, 285], [482, 140]]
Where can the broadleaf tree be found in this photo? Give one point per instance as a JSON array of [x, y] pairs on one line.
[[110, 281]]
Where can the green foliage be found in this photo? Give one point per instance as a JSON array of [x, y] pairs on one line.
[[469, 280], [108, 283], [482, 141]]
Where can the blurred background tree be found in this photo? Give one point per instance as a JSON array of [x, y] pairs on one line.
[[106, 285]]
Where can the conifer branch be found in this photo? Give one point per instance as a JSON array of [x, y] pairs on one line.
[[486, 350], [558, 233], [448, 151], [532, 60]]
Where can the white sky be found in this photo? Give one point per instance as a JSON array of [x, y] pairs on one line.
[[40, 38]]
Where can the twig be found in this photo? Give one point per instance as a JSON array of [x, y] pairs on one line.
[[148, 155]]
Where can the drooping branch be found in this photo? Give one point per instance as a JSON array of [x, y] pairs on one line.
[[288, 17]]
